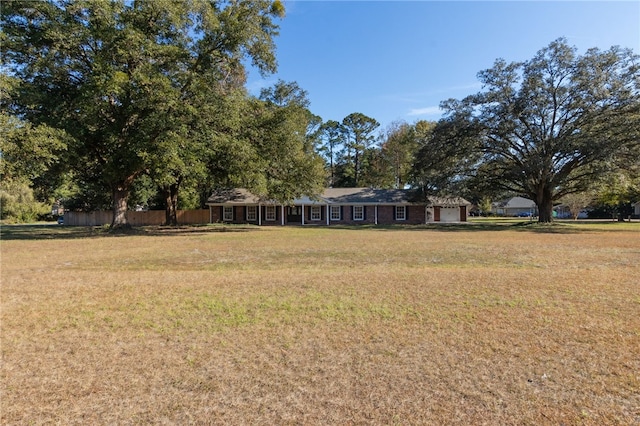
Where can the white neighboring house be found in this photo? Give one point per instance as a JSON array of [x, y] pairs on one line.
[[516, 206], [636, 209]]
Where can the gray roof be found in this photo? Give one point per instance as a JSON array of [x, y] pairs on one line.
[[307, 201], [515, 203], [241, 196], [366, 196], [233, 196], [387, 196]]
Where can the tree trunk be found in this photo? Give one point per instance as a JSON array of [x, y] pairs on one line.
[[171, 201], [332, 170], [545, 207], [356, 168], [120, 195]]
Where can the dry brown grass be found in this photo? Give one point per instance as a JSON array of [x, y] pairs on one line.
[[322, 326]]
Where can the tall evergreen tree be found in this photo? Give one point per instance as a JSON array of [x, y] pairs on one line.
[[359, 130], [331, 136]]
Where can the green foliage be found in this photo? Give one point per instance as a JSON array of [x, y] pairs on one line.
[[85, 195], [617, 193], [145, 194], [130, 81], [445, 156], [358, 139], [17, 203], [284, 94], [484, 205], [278, 129], [354, 159], [331, 138], [550, 126], [189, 199], [398, 149], [29, 152]]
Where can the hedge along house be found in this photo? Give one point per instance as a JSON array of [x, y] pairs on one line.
[[336, 206]]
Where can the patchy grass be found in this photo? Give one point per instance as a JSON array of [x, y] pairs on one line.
[[467, 324]]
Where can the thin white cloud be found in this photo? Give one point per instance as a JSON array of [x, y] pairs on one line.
[[255, 86], [471, 86], [450, 91], [432, 110]]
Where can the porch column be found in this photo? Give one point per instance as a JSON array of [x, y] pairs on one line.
[[259, 215], [282, 215], [327, 215], [210, 215], [376, 214], [303, 214]]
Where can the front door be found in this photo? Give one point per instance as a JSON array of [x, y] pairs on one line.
[[294, 214], [436, 214], [463, 213]]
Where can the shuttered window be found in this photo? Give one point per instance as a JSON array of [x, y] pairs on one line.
[[358, 212], [270, 213], [316, 213], [252, 213], [335, 213], [227, 213]]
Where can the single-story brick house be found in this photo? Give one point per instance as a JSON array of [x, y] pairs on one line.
[[337, 206]]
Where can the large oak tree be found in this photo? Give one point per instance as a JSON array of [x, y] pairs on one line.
[[549, 126], [124, 78]]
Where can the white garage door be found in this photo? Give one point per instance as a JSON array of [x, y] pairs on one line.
[[449, 214]]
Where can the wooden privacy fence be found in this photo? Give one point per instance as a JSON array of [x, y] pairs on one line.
[[149, 217]]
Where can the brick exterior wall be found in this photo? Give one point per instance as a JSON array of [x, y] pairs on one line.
[[240, 216], [386, 216], [323, 215], [414, 215]]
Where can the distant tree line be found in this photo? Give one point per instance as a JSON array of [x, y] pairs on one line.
[[123, 104]]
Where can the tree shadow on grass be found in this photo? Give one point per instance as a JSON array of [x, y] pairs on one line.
[[553, 228], [58, 232]]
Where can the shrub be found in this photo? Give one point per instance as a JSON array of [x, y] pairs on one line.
[[18, 205]]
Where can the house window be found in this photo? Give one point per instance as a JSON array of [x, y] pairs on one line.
[[401, 212], [335, 213], [270, 213], [316, 213], [252, 213], [358, 212], [227, 213]]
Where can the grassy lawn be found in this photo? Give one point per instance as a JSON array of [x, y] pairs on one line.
[[483, 323]]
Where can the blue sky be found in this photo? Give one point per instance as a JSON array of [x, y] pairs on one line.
[[396, 60]]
